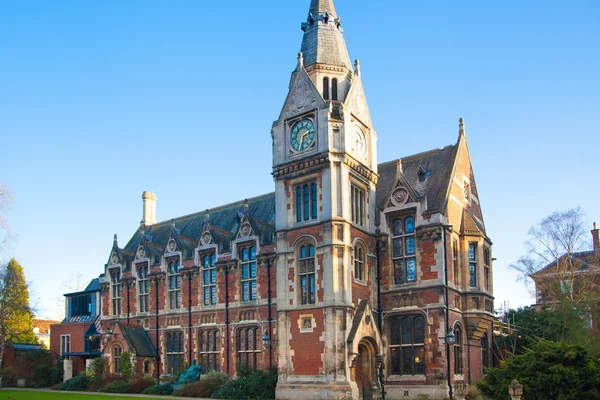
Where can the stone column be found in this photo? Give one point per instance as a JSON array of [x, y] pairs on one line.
[[68, 370]]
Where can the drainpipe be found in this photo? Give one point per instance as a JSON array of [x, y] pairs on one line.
[[447, 309], [469, 361], [127, 283], [227, 315], [156, 331], [189, 318], [379, 309], [269, 310]]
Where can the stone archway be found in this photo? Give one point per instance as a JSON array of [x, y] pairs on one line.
[[365, 373]]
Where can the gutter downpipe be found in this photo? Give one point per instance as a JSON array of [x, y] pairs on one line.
[[157, 339], [189, 318], [227, 315], [444, 227], [379, 310], [269, 311]]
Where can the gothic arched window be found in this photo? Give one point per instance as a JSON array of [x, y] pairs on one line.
[[306, 261], [248, 347], [458, 352], [325, 88], [116, 359], [334, 89], [485, 351], [407, 345], [209, 349], [359, 263], [174, 352]]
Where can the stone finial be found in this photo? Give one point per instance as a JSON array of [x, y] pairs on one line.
[[461, 126], [357, 66], [115, 239], [172, 223], [246, 205], [300, 60]]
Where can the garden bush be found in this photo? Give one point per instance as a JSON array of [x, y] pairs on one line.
[[258, 385], [100, 381], [42, 376], [205, 386], [115, 387], [140, 384], [161, 390], [80, 383]]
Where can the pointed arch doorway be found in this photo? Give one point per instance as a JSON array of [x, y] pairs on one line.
[[365, 372]]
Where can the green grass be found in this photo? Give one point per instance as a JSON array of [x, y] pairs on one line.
[[59, 395]]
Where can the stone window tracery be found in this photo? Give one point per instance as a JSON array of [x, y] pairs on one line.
[[359, 263], [404, 250], [473, 264], [248, 347], [174, 279], [209, 348], [458, 352], [209, 275], [174, 352], [407, 345], [116, 359], [358, 205], [248, 267], [143, 289], [306, 202], [306, 272], [115, 285]]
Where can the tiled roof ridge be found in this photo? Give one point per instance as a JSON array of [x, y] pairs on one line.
[[416, 155], [211, 210]]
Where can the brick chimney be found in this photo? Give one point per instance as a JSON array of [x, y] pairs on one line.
[[596, 237], [149, 216]]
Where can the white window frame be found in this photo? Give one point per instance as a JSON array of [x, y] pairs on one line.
[[62, 344]]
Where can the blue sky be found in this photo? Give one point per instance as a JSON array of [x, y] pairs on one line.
[[102, 100]]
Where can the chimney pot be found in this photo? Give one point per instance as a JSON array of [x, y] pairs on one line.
[[149, 209], [596, 237]]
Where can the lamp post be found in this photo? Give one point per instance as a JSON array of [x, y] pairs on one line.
[[267, 340], [450, 340]]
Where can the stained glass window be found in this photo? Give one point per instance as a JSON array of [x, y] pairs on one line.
[[248, 348], [307, 274], [473, 264], [210, 347], [174, 352]]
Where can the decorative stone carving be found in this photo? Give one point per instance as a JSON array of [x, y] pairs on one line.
[[206, 238], [172, 246], [301, 99], [515, 390], [114, 259], [141, 253], [460, 390], [400, 196], [245, 230]]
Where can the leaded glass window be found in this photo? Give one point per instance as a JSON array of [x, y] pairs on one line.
[[174, 279], [458, 352], [143, 289], [407, 345], [116, 355], [209, 350], [357, 205], [359, 263], [473, 264], [209, 281], [404, 250], [306, 202], [248, 347], [174, 352], [306, 264], [115, 285], [248, 257]]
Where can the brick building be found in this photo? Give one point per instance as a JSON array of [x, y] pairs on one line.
[[348, 277]]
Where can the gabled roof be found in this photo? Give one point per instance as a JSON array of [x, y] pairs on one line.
[[139, 341], [583, 259], [224, 222], [438, 163]]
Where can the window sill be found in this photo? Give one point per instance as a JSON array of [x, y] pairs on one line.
[[360, 282], [404, 378]]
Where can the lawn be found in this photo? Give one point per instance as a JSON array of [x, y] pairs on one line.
[[34, 395]]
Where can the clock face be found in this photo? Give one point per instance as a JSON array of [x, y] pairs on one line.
[[303, 135], [359, 144]]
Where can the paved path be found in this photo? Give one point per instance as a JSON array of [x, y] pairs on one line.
[[141, 396]]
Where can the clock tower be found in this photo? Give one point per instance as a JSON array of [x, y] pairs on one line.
[[325, 171]]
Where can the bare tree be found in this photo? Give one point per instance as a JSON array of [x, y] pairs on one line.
[[73, 283], [559, 259], [6, 198]]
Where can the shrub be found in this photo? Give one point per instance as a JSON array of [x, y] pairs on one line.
[[205, 386], [548, 371], [42, 376], [141, 384], [100, 381], [472, 394], [80, 383], [126, 367], [115, 387], [98, 366], [161, 390], [258, 385]]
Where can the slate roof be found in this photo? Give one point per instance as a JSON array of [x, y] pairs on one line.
[[224, 222], [583, 259], [138, 339], [438, 163], [93, 286], [323, 41]]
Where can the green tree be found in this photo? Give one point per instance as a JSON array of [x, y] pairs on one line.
[[547, 371], [126, 367], [15, 313]]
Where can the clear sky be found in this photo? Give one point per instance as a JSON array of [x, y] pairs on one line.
[[101, 100]]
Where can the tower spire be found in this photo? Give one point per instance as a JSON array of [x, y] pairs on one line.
[[323, 41]]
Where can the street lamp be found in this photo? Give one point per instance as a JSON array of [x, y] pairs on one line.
[[267, 340], [450, 338]]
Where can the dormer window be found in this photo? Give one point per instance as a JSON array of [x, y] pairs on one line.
[[423, 174]]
